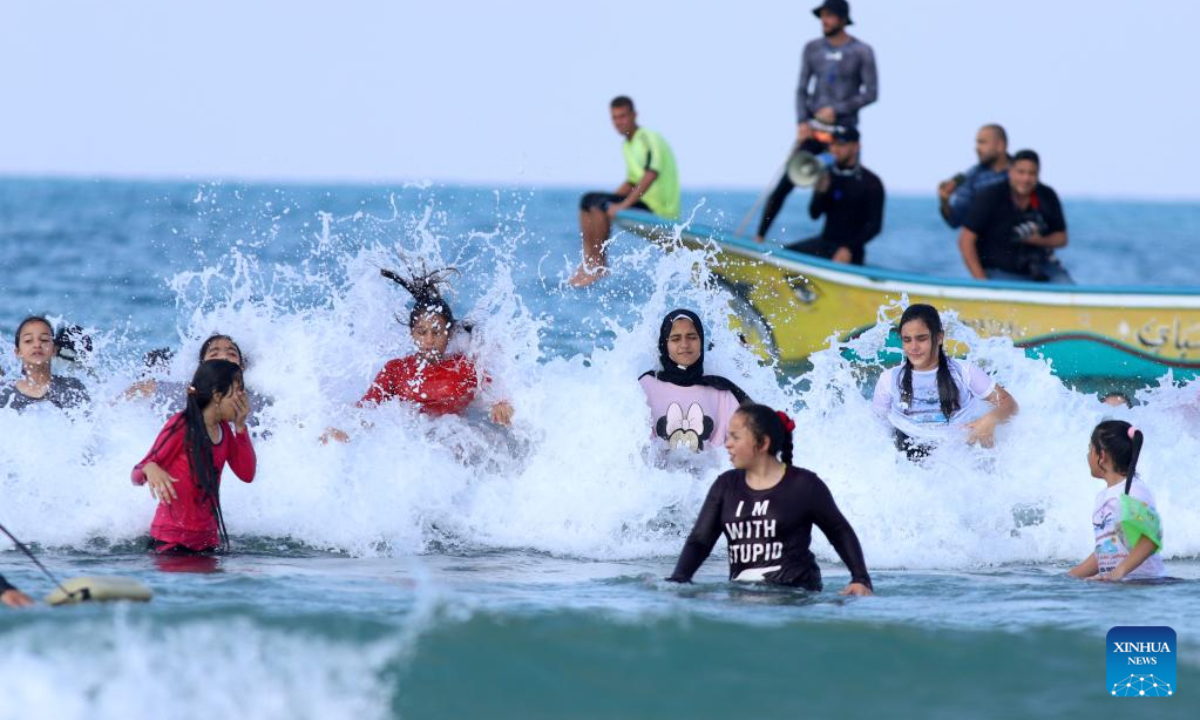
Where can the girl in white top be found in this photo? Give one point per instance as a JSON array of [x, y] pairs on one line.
[[930, 391], [1128, 529]]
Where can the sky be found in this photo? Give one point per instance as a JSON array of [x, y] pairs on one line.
[[516, 93]]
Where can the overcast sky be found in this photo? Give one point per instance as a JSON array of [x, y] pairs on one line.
[[516, 93]]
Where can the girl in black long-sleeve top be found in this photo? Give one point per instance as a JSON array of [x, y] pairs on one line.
[[766, 509]]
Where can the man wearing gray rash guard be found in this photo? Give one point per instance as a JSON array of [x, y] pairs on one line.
[[837, 79]]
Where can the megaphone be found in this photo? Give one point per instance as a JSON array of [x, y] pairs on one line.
[[805, 168]]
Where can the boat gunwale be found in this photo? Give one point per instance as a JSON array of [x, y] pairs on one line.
[[898, 281]]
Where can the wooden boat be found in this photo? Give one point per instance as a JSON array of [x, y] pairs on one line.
[[788, 304]]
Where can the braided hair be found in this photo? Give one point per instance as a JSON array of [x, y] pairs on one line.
[[763, 422], [947, 389], [1123, 443]]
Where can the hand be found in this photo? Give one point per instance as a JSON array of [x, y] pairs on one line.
[[14, 598], [334, 434], [803, 132], [946, 189], [162, 485], [141, 389], [824, 182], [502, 413], [827, 115], [982, 431], [1103, 577], [843, 255], [759, 239], [615, 208], [857, 590], [241, 410]]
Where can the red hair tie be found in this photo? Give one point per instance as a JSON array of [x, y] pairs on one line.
[[788, 424]]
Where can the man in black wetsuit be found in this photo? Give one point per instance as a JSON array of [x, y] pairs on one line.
[[1012, 229], [851, 199], [837, 79], [11, 596]]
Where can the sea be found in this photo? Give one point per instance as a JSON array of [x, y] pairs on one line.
[[447, 568]]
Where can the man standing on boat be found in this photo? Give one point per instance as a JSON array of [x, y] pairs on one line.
[[955, 194], [851, 199], [651, 183], [1012, 229], [837, 79]]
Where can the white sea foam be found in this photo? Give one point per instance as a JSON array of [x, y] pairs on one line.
[[194, 669], [572, 476]]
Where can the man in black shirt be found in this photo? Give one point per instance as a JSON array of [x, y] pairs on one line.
[[11, 596], [851, 199], [1011, 229]]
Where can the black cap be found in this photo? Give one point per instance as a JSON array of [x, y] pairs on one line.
[[841, 8], [845, 133]]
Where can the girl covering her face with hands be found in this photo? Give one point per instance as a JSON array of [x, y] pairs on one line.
[[183, 469]]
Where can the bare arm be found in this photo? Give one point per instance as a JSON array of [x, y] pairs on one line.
[[967, 240], [1053, 240], [983, 430], [1085, 569], [635, 194], [1145, 548]]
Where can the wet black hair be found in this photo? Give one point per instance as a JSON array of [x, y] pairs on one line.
[[72, 344], [947, 390], [212, 377], [1113, 438], [1028, 155], [159, 357], [621, 101], [26, 321], [425, 289], [763, 422], [218, 336]]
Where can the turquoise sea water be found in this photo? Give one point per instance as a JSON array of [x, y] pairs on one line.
[[441, 568]]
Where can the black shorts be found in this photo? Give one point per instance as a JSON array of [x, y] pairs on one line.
[[826, 248], [601, 201]]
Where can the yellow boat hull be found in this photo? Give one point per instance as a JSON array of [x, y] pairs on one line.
[[790, 304]]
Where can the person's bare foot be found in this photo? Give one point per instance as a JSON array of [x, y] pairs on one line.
[[586, 275]]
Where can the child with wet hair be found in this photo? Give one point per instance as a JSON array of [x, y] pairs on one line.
[[766, 508], [438, 382], [1126, 521]]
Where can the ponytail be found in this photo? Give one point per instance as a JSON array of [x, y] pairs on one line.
[[906, 392], [1122, 443], [775, 426], [947, 389], [1135, 439]]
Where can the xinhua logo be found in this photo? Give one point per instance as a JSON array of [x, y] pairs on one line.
[[1141, 661]]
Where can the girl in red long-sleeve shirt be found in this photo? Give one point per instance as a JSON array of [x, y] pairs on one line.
[[437, 382], [184, 467]]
